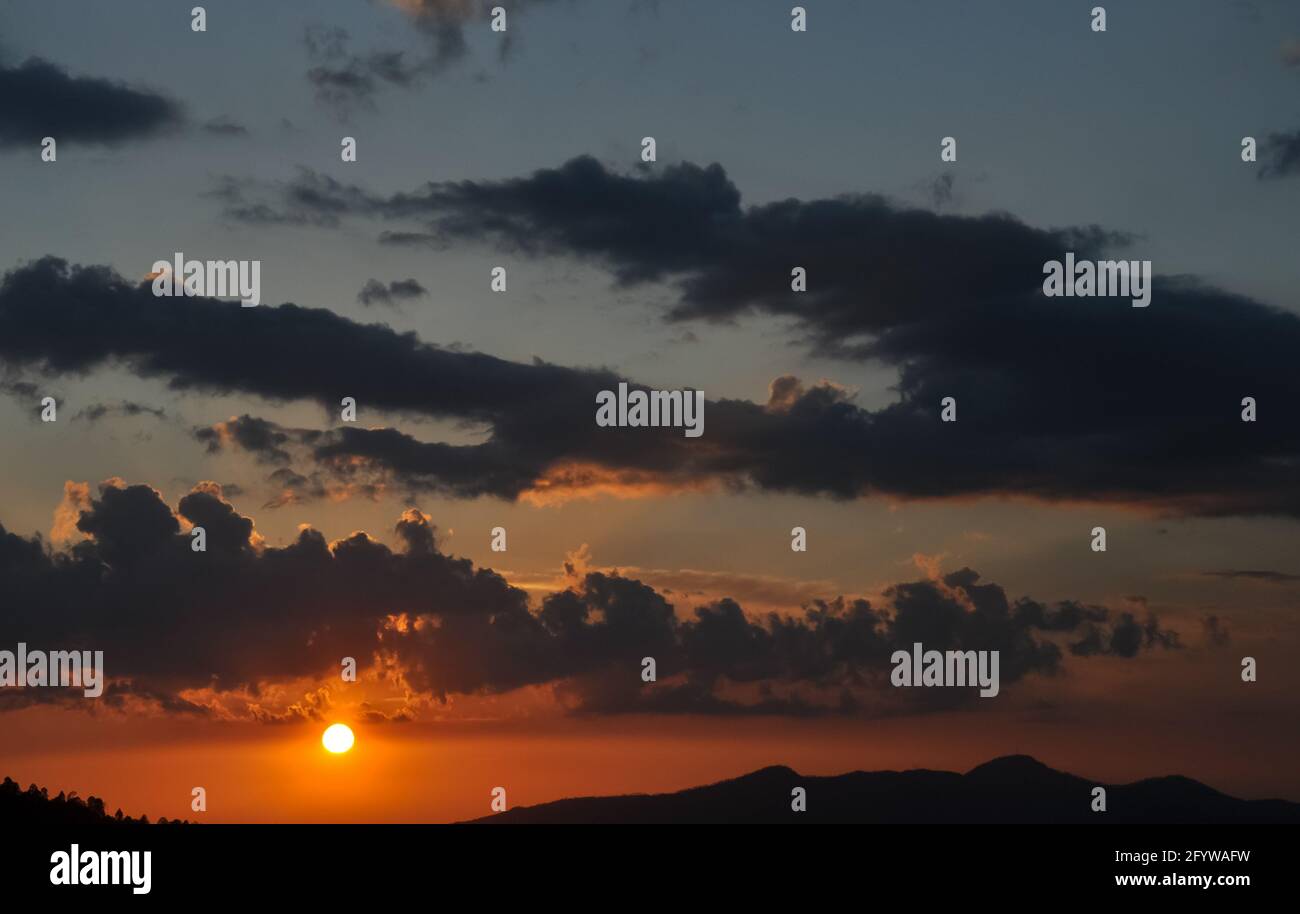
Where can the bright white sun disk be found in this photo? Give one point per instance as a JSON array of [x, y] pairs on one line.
[[337, 738]]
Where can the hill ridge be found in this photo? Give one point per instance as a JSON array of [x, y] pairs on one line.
[[1007, 789]]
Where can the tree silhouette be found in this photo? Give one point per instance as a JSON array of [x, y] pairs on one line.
[[34, 806]]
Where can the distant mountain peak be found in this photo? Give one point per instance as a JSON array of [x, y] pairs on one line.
[[1009, 789], [1012, 766], [771, 771]]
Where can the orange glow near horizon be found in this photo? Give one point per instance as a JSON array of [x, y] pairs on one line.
[[445, 772]]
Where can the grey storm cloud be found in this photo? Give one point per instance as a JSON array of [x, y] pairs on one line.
[[1039, 416], [871, 265], [42, 99], [1142, 403], [244, 613]]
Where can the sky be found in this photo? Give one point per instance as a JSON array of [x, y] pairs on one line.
[[523, 149]]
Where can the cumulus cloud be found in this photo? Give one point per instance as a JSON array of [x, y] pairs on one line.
[[244, 616]]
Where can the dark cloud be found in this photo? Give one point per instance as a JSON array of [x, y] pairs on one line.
[[375, 292], [310, 198], [940, 190], [953, 302], [871, 265], [411, 239], [41, 99], [128, 524], [243, 615], [228, 532], [1157, 426], [293, 488], [1125, 637], [1280, 156], [20, 389], [203, 344], [257, 436], [98, 411]]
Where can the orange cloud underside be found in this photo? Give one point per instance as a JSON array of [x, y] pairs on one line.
[[567, 481]]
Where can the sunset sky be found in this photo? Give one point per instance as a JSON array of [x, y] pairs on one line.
[[478, 149]]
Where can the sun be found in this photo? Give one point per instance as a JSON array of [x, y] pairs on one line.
[[337, 738]]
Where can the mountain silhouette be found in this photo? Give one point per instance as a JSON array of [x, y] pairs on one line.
[[1011, 789]]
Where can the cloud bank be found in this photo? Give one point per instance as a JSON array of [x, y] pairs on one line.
[[244, 616], [42, 99], [1088, 400]]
